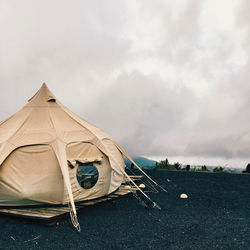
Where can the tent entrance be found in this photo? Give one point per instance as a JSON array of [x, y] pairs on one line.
[[89, 171]]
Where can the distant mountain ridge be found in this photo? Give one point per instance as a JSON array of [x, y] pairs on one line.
[[142, 162], [146, 163]]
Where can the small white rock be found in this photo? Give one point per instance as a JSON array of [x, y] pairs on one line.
[[142, 185], [183, 196]]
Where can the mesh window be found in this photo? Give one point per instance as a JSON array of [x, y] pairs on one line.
[[87, 175]]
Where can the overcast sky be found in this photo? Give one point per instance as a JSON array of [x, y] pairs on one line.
[[164, 78]]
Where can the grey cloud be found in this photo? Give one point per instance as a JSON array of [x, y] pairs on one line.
[[232, 146], [243, 20], [82, 50], [71, 46], [211, 148], [180, 34], [223, 125], [148, 111]]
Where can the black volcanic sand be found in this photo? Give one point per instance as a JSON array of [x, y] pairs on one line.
[[215, 216]]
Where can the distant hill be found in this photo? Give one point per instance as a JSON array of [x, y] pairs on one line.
[[226, 169], [148, 164], [142, 162]]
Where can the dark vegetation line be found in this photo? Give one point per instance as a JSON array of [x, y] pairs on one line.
[[166, 165]]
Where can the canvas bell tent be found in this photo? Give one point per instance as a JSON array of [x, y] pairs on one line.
[[48, 155]]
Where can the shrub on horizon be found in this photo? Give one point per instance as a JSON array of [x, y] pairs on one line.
[[247, 169], [177, 166], [218, 170], [164, 164]]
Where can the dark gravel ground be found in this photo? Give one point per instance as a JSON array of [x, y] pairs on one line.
[[216, 215]]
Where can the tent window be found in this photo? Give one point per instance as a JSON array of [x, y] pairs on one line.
[[87, 175]]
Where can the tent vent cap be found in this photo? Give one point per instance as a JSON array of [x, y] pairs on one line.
[[51, 99]]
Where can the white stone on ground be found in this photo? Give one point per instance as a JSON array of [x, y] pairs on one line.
[[183, 196]]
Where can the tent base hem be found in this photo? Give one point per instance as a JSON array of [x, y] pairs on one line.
[[52, 214]]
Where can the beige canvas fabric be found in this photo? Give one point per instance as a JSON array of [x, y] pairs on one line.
[[36, 145], [41, 173]]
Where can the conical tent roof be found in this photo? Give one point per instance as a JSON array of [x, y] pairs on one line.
[[44, 120]]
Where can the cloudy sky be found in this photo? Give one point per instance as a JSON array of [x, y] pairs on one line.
[[164, 78]]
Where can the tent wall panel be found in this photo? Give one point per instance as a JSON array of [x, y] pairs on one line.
[[31, 175]]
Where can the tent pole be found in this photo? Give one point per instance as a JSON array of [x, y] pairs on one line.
[[155, 205], [130, 159]]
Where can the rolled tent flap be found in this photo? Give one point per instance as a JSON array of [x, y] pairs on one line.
[[116, 162], [84, 160], [59, 148]]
